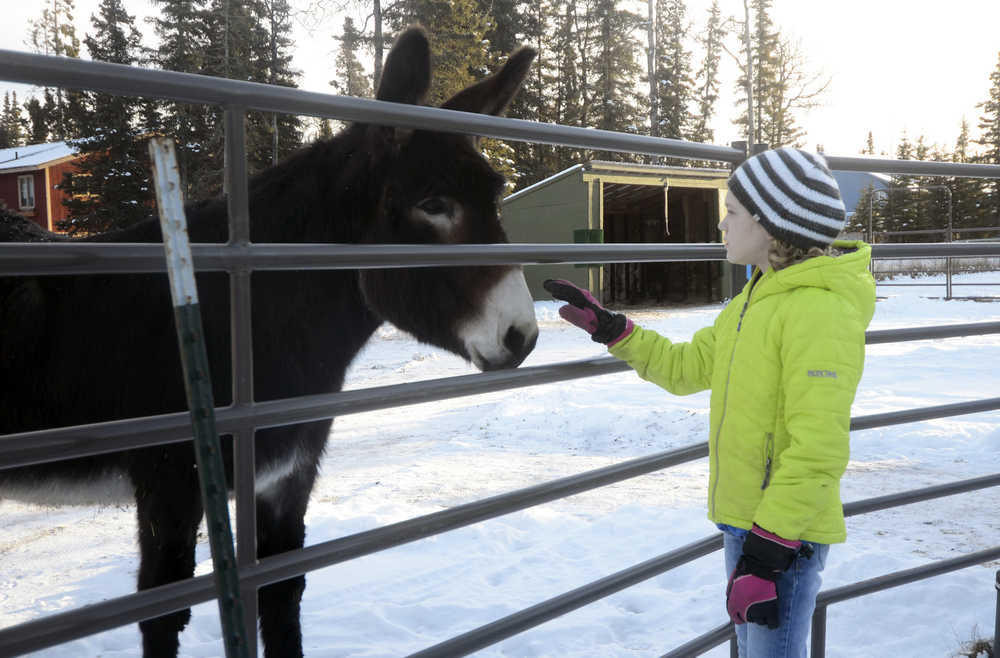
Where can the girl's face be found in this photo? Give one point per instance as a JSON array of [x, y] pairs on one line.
[[746, 241]]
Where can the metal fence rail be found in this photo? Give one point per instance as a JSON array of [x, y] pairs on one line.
[[239, 257], [47, 445]]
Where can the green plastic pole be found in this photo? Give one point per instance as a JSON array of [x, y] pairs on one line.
[[198, 383]]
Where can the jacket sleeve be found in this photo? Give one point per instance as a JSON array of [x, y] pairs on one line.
[[680, 368], [822, 354]]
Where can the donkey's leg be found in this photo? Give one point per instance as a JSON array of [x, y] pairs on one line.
[[169, 510], [281, 509]]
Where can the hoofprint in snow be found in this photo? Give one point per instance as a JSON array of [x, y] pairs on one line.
[[387, 466]]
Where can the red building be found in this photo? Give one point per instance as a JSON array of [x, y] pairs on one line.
[[30, 178]]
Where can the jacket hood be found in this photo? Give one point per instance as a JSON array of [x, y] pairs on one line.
[[846, 275]]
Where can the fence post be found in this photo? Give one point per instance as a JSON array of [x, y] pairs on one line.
[[818, 648], [198, 384]]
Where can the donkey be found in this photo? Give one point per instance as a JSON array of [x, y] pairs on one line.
[[85, 349]]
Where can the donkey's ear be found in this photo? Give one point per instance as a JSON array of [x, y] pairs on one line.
[[493, 94], [406, 76]]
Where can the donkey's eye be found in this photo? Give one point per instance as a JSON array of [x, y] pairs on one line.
[[434, 205]]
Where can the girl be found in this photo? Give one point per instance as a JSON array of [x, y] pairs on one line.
[[783, 360]]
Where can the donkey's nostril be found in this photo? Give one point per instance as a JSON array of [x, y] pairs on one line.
[[514, 340]]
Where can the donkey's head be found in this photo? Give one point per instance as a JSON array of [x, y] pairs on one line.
[[440, 189]]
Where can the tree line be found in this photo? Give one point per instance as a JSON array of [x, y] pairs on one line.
[[600, 64]]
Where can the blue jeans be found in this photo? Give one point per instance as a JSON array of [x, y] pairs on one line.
[[797, 590]]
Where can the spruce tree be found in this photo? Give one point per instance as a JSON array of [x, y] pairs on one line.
[[12, 124], [781, 86], [273, 135], [350, 75], [180, 29], [707, 78], [543, 97], [617, 104], [901, 207], [673, 69], [967, 193], [989, 124], [38, 128], [869, 145], [111, 185], [764, 45], [54, 33]]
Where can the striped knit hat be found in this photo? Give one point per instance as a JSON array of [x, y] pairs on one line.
[[792, 194]]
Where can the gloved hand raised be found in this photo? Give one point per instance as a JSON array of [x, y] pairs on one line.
[[752, 594], [585, 312]]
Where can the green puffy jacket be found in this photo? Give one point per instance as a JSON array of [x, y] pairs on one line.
[[783, 360]]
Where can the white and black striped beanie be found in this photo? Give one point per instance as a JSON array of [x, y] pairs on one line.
[[792, 194]]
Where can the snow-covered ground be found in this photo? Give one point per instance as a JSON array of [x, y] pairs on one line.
[[388, 466]]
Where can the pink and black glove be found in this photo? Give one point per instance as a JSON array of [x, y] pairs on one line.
[[585, 312], [752, 594]]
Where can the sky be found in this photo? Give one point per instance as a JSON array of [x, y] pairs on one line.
[[390, 465], [893, 65]]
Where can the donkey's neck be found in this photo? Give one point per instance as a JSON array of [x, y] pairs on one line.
[[327, 192]]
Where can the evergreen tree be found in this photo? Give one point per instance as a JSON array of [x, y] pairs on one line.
[[181, 31], [38, 131], [351, 79], [548, 89], [111, 186], [869, 148], [902, 211], [967, 193], [12, 124], [618, 106], [764, 44], [707, 78], [276, 135], [869, 214], [55, 34], [673, 70], [989, 124], [781, 85]]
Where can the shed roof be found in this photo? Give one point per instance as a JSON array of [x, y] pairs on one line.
[[34, 156], [635, 173]]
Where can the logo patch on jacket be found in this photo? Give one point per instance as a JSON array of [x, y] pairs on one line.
[[832, 374]]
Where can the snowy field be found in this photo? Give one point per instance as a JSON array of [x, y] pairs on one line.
[[388, 466]]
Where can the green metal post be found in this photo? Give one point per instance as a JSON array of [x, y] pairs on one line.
[[198, 383]]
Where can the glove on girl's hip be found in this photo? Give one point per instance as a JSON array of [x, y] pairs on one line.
[[585, 312], [752, 593]]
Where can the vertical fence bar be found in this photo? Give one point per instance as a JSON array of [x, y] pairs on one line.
[[951, 235], [734, 648], [818, 641], [198, 384], [241, 332], [996, 622]]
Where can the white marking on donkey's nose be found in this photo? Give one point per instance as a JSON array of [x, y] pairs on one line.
[[505, 331]]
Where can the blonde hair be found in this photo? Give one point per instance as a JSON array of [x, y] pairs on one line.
[[781, 254]]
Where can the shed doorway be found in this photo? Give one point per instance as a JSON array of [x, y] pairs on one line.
[[635, 213]]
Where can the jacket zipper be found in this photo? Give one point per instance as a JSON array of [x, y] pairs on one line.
[[768, 450], [725, 399]]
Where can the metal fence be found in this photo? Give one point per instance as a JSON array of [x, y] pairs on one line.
[[239, 257]]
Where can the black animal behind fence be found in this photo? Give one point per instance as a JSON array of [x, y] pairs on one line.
[[77, 350]]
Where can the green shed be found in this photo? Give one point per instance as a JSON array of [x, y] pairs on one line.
[[615, 202]]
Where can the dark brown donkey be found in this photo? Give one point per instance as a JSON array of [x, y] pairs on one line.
[[85, 349]]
